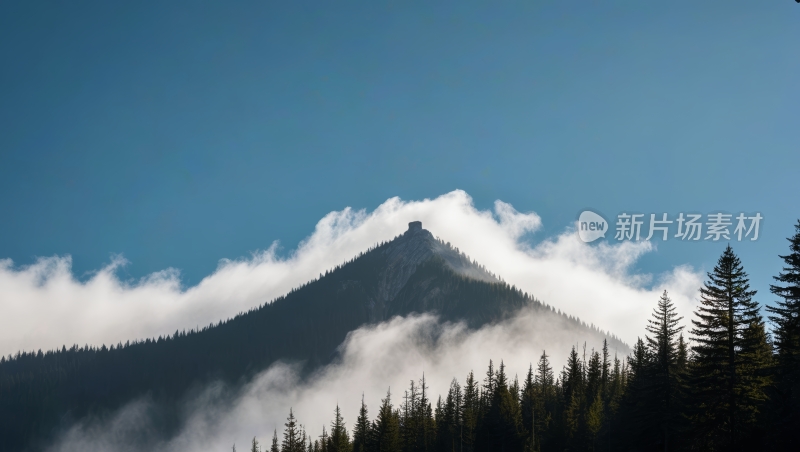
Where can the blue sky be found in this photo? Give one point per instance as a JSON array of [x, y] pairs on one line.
[[179, 134]]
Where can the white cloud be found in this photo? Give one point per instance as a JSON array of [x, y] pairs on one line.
[[44, 306]]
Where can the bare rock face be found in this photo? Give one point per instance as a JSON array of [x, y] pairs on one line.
[[404, 255]]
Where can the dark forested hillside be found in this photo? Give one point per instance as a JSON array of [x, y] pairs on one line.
[[42, 392]]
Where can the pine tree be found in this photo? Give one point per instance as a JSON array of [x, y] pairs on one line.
[[339, 440], [275, 447], [254, 446], [324, 440], [426, 428], [489, 384], [291, 435], [606, 368], [361, 429], [514, 388], [573, 381], [785, 316], [664, 385], [616, 392], [533, 405], [594, 375], [544, 374], [728, 389], [527, 402], [505, 419], [387, 427], [448, 419], [470, 410], [546, 401]]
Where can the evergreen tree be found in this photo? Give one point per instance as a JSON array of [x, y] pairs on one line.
[[514, 388], [664, 385], [254, 446], [614, 398], [387, 427], [489, 385], [275, 447], [361, 429], [573, 387], [448, 419], [546, 401], [470, 410], [324, 440], [785, 317], [527, 402], [409, 421], [544, 374], [339, 440], [572, 379], [728, 390], [594, 375], [535, 417], [504, 420], [291, 435], [426, 427]]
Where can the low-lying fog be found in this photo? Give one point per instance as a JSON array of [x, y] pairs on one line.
[[373, 359]]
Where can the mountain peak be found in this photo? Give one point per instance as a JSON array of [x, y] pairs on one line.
[[418, 245], [414, 248]]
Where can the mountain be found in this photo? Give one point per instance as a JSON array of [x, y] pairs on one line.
[[43, 393]]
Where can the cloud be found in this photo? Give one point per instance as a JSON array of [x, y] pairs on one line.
[[373, 358], [44, 306]]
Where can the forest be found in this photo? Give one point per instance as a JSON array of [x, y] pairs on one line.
[[728, 383]]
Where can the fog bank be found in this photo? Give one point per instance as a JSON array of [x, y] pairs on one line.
[[390, 354]]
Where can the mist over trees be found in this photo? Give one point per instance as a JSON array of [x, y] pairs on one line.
[[734, 388]]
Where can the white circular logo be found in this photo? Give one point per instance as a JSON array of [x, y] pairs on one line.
[[591, 226]]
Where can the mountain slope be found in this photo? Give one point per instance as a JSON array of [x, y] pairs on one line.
[[42, 393]]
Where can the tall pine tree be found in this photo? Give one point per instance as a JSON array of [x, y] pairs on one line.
[[727, 390], [339, 440], [387, 427], [275, 447], [361, 429], [292, 441], [470, 412], [664, 383]]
